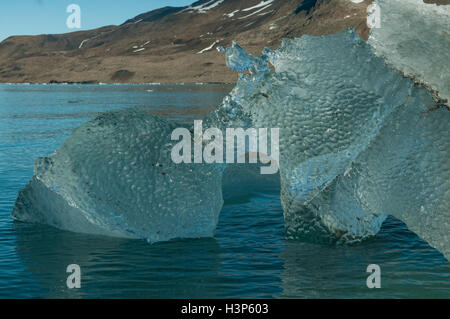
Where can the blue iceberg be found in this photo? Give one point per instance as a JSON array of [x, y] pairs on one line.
[[364, 130]]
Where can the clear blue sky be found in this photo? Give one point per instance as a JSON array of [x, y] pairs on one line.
[[30, 17]]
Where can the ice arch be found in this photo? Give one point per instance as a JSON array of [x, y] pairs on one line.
[[359, 139]]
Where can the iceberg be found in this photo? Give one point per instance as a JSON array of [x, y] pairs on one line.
[[414, 38], [358, 141], [364, 132], [114, 176]]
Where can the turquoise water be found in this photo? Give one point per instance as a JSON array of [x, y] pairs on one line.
[[249, 257]]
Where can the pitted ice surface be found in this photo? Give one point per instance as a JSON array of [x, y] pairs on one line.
[[115, 176], [415, 38], [359, 140]]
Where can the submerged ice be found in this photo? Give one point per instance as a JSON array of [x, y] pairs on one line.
[[359, 140]]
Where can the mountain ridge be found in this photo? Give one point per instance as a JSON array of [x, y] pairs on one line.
[[173, 44]]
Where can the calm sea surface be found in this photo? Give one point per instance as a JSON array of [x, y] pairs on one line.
[[249, 257]]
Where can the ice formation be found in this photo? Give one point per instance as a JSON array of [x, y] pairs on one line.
[[114, 176], [415, 38], [358, 139]]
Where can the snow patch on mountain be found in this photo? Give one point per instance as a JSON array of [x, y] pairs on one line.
[[231, 14], [257, 11], [259, 5], [203, 8], [208, 48]]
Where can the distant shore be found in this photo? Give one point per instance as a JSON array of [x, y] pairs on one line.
[[158, 47], [101, 83]]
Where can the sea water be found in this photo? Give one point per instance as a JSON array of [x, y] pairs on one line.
[[249, 256]]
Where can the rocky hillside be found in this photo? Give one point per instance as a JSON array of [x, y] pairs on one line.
[[172, 44]]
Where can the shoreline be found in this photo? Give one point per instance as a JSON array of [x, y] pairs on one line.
[[136, 84]]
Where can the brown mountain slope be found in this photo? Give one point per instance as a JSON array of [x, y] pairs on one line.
[[172, 44]]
